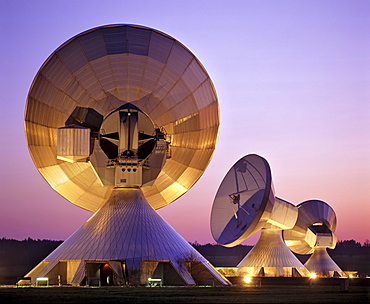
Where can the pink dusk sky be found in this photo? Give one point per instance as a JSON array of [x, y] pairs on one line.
[[293, 82]]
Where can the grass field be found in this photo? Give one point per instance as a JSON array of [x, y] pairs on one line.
[[233, 294]]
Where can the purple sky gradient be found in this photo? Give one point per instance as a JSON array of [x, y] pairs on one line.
[[293, 81]]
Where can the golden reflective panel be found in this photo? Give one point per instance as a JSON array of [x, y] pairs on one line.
[[94, 75]]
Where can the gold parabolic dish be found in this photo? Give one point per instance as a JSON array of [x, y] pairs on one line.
[[105, 68]]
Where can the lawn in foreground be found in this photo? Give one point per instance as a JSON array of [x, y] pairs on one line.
[[233, 294]]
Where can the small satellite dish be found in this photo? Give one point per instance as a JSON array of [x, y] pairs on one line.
[[314, 233], [245, 203], [242, 198]]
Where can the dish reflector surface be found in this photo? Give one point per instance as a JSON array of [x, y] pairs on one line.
[[100, 70], [244, 194]]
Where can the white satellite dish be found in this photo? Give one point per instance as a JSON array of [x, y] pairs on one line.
[[245, 203], [314, 233]]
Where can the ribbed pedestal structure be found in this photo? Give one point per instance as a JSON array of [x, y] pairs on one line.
[[271, 257], [322, 264], [132, 238]]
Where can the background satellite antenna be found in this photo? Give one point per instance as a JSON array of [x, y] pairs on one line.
[[116, 121], [244, 204], [314, 233]]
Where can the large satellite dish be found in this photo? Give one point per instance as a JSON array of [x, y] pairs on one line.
[[121, 120], [245, 203], [313, 233], [88, 79]]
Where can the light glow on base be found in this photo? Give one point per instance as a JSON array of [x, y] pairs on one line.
[[247, 279]]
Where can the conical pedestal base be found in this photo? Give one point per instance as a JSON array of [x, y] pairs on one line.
[[271, 257], [126, 242], [322, 264]]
